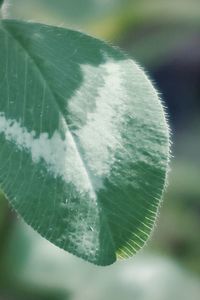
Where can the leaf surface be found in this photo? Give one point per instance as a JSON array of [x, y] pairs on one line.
[[84, 143]]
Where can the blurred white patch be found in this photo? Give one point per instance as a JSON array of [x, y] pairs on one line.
[[5, 9]]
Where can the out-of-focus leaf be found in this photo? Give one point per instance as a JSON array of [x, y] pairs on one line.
[[146, 277], [67, 11], [1, 2]]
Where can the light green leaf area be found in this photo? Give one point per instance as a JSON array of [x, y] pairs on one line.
[[84, 143]]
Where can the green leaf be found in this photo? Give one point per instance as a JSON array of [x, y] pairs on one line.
[[1, 2], [84, 141]]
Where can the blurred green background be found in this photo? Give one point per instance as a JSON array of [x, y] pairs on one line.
[[164, 37]]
